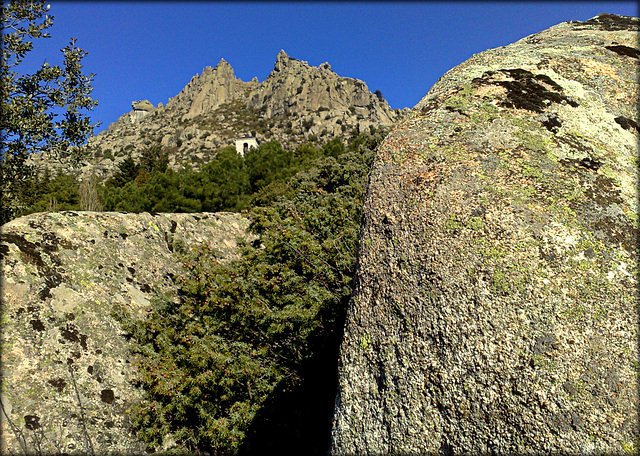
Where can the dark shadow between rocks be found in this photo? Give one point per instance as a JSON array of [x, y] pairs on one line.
[[297, 419]]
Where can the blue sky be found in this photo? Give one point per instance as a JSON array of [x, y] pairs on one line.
[[150, 50]]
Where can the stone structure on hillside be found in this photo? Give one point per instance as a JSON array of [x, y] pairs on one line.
[[67, 378], [245, 143], [495, 309]]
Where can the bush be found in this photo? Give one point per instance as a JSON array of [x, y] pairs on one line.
[[258, 336], [333, 148], [50, 193]]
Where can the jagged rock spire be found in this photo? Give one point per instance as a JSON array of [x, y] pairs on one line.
[[281, 60], [223, 64]]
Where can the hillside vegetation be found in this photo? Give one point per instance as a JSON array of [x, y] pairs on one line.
[[229, 182], [245, 358]]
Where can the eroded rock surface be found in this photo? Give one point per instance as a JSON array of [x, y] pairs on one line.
[[295, 104], [496, 307], [66, 373], [141, 109]]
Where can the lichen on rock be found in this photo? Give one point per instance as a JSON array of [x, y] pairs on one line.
[[495, 307], [67, 377]]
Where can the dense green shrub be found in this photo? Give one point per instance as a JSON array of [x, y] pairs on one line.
[[49, 193], [245, 337], [229, 182], [267, 163], [245, 360], [223, 182]]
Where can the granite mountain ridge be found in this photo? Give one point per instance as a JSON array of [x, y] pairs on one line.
[[295, 104]]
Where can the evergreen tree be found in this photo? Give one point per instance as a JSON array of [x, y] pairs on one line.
[[224, 182]]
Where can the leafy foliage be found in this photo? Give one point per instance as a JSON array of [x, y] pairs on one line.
[[42, 111], [229, 182], [255, 339], [245, 335]]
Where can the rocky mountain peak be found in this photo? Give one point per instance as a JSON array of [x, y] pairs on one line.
[[281, 59], [294, 86], [224, 69], [207, 92], [286, 63], [296, 103]]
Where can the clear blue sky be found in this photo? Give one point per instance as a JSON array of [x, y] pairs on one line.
[[150, 50]]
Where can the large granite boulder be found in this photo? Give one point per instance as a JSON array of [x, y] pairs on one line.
[[496, 306], [67, 376]]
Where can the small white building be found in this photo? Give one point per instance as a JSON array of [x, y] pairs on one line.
[[245, 143]]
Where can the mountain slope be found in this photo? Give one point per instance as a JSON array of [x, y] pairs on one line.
[[297, 103]]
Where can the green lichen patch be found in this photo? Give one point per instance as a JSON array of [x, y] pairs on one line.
[[460, 100]]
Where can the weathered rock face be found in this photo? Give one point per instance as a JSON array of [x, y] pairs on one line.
[[142, 105], [66, 373], [141, 109], [297, 103], [295, 87], [207, 92], [495, 307]]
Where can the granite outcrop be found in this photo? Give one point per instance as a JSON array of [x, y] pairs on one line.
[[496, 309], [141, 109], [297, 103], [68, 378]]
